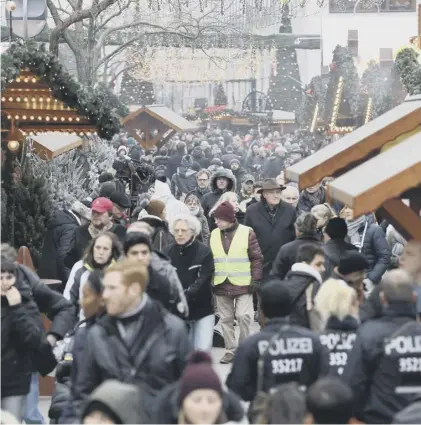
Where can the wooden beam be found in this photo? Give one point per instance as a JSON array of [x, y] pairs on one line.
[[405, 221]]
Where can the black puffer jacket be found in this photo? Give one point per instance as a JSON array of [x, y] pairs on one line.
[[334, 250], [21, 337], [57, 243], [376, 250], [167, 407], [156, 358], [287, 255], [211, 198], [54, 305], [195, 268]]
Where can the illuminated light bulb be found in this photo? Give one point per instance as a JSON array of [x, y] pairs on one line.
[[54, 118], [40, 118], [9, 117], [18, 99], [48, 100], [77, 119], [24, 117], [47, 118], [88, 133], [3, 99], [55, 100], [70, 119], [81, 133], [41, 99], [10, 99], [62, 118], [26, 80], [34, 80], [25, 99], [16, 117], [33, 99], [13, 145], [18, 80]]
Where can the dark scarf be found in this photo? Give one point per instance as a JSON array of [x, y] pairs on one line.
[[271, 211], [315, 198]]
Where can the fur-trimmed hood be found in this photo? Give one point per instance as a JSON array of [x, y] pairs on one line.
[[223, 172]]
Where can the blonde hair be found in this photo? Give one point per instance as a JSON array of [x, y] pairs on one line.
[[335, 298], [323, 213], [225, 197]]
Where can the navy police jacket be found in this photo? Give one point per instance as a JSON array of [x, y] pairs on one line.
[[291, 354], [384, 366], [338, 338]]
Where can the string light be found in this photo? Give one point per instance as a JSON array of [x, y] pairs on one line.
[[3, 99], [47, 118]]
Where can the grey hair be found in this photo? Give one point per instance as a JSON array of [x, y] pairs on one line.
[[8, 252], [192, 223], [398, 286], [306, 223]]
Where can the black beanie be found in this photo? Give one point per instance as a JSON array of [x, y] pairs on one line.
[[336, 228], [352, 262], [136, 238]]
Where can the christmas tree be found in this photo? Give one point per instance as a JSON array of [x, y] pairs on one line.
[[136, 92], [28, 207], [285, 90], [220, 96]]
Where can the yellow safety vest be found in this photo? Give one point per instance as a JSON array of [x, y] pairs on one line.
[[236, 264]]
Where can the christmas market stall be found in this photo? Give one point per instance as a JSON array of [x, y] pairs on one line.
[[154, 124], [375, 167]]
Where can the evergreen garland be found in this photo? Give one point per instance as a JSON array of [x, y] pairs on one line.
[[409, 70], [89, 103], [343, 66]]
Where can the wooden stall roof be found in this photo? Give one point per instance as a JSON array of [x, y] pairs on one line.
[[50, 145], [357, 146], [386, 176], [165, 115]]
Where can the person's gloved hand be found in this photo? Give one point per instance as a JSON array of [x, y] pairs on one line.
[[368, 286], [254, 286]]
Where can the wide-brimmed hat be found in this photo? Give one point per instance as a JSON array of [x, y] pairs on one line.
[[270, 184]]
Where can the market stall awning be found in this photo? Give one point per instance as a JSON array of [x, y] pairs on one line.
[[50, 145], [360, 145], [386, 176], [152, 124]]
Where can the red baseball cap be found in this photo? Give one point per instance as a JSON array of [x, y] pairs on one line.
[[102, 205]]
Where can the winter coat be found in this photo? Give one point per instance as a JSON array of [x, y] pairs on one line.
[[57, 243], [239, 175], [309, 200], [21, 337], [271, 235], [54, 305], [200, 193], [167, 406], [255, 258], [334, 249], [195, 268], [376, 250], [204, 233], [338, 338], [82, 238], [183, 182], [397, 245], [173, 163], [273, 167], [410, 414], [157, 356], [177, 302], [210, 199], [287, 255], [380, 368], [303, 282], [162, 236], [280, 367]]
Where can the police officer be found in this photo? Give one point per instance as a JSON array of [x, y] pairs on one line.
[[339, 303], [280, 352], [384, 366]]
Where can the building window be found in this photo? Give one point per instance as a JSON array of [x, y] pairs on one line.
[[370, 6]]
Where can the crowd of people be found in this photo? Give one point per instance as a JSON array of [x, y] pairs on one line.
[[218, 235]]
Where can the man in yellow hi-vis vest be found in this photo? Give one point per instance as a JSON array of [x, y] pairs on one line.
[[238, 268]]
